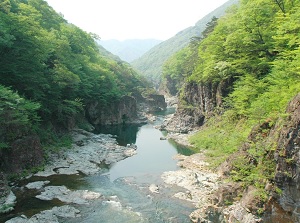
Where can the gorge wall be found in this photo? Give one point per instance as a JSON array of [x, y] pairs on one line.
[[125, 110], [24, 153], [197, 102], [287, 157], [121, 111], [283, 137]]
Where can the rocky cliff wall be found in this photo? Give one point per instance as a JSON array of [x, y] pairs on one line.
[[287, 156], [24, 154], [284, 136], [121, 111], [125, 110], [155, 102], [197, 102]]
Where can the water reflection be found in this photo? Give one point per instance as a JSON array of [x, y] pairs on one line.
[[181, 149], [154, 156], [126, 134]]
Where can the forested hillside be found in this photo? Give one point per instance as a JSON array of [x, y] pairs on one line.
[[150, 64], [236, 81], [50, 71]]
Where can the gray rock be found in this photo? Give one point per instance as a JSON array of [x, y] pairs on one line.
[[48, 216], [88, 157], [65, 195], [37, 185], [9, 203], [154, 188]]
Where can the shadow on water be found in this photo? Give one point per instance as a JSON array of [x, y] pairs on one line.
[[181, 149], [126, 134]]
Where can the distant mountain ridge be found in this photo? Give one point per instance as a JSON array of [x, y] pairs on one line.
[[150, 64], [129, 50]]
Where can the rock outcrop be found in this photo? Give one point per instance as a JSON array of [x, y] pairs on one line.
[[282, 207], [88, 153], [49, 216], [118, 112], [287, 156], [198, 182], [155, 102], [197, 103], [129, 109], [24, 154], [7, 197]]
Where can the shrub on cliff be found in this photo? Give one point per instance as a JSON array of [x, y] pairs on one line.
[[18, 116]]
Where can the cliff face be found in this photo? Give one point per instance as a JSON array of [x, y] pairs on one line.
[[285, 136], [155, 102], [122, 111], [287, 156], [125, 110], [197, 103], [24, 154]]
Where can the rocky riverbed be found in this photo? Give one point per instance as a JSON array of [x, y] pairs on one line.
[[87, 156], [197, 180]]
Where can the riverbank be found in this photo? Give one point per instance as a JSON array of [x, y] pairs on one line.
[[89, 155], [216, 199], [199, 182]]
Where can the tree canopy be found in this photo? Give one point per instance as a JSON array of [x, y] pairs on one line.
[[54, 66]]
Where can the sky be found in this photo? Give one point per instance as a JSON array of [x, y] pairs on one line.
[[134, 19]]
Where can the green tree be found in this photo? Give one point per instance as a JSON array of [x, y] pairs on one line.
[[18, 116]]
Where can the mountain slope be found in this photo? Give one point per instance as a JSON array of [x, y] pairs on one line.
[[129, 50], [150, 64]]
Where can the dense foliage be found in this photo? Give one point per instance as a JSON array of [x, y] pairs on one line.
[[53, 69], [257, 46]]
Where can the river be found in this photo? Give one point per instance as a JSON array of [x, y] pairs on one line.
[[125, 183]]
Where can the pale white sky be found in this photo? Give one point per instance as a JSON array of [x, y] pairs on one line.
[[134, 19]]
